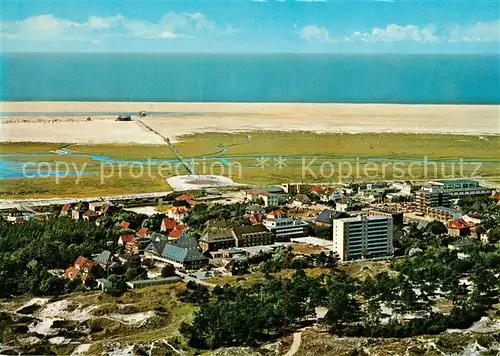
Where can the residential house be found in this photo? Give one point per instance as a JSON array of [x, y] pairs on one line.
[[80, 269], [317, 190], [143, 231], [252, 235], [99, 206], [168, 224], [90, 216], [217, 240], [255, 209], [332, 194], [124, 225], [271, 196], [123, 239], [177, 232], [344, 204], [137, 245], [458, 227], [178, 213], [257, 218], [79, 209], [107, 261], [301, 200], [65, 210], [185, 197], [326, 217], [238, 265]]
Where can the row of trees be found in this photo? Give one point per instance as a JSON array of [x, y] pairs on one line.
[[398, 303], [28, 251]]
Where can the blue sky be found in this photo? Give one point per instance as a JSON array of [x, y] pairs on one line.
[[249, 26]]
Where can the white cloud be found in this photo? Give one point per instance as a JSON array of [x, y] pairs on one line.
[[314, 33], [480, 32], [171, 26], [397, 33]]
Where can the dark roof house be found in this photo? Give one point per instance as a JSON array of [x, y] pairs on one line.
[[327, 216]]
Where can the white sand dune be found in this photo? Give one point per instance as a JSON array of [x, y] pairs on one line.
[[189, 118]]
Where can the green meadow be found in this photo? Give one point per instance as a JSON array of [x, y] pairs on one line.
[[256, 158]]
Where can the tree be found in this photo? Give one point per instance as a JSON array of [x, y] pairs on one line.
[[135, 273], [168, 271], [116, 285], [494, 235], [436, 228]]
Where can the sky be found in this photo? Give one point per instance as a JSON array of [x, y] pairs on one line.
[[264, 26]]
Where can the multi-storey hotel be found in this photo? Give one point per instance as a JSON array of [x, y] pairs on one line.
[[431, 197], [363, 237]]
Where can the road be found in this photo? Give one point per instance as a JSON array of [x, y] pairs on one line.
[[297, 340]]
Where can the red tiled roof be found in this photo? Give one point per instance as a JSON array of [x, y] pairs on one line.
[[185, 197], [168, 224], [65, 208], [71, 272], [80, 261], [126, 238], [178, 210], [84, 262], [317, 189], [496, 196], [458, 224], [276, 212], [143, 231], [124, 224], [177, 232], [90, 213], [256, 218]]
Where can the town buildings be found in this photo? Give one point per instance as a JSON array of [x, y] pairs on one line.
[[457, 188], [252, 235], [363, 237], [430, 197], [397, 216], [284, 227], [217, 240], [182, 252]]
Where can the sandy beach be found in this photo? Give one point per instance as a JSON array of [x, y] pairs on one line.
[[46, 122]]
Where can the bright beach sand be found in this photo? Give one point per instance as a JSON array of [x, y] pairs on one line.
[[232, 117]]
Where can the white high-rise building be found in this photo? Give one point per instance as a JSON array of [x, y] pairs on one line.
[[363, 237]]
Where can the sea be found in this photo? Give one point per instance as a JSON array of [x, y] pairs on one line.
[[308, 78]]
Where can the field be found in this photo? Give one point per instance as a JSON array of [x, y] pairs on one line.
[[261, 158]]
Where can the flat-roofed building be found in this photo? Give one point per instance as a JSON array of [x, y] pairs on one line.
[[397, 216], [431, 197], [284, 227], [363, 237], [457, 188]]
